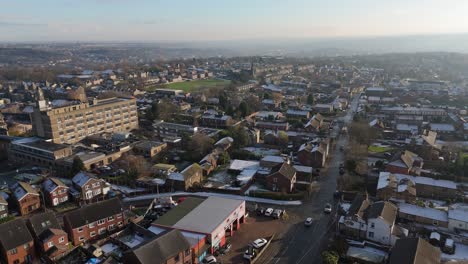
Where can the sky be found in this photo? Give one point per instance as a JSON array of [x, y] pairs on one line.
[[213, 20]]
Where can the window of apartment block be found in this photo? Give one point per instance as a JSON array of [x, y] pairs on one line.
[[80, 229], [101, 231], [50, 244], [13, 251], [372, 225], [91, 225], [81, 238], [110, 227], [100, 222], [371, 234], [110, 218], [92, 234]]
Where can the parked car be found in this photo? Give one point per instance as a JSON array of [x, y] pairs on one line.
[[328, 208], [260, 211], [250, 253], [342, 171], [277, 213], [209, 259], [268, 211], [226, 248], [258, 243], [449, 246], [308, 221]]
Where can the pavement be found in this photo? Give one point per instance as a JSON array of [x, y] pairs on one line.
[[297, 243]]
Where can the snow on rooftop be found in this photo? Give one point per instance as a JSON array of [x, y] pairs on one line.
[[176, 176], [461, 253], [276, 159], [425, 212], [240, 165], [384, 180]]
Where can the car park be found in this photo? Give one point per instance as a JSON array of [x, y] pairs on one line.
[[308, 221], [328, 208], [268, 211], [259, 243]]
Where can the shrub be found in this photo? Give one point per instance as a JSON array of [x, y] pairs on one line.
[[277, 195], [330, 257]]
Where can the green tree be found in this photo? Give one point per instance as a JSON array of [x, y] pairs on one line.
[[77, 165], [153, 112], [224, 158], [380, 164], [330, 257], [310, 99], [244, 109], [283, 138], [351, 165]]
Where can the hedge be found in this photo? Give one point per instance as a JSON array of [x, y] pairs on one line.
[[277, 195]]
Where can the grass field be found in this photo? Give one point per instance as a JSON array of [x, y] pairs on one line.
[[190, 86], [378, 149]]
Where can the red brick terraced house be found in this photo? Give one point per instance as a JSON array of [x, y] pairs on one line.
[[50, 239], [94, 220], [16, 243], [55, 191]]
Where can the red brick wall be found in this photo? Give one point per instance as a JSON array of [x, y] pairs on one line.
[[283, 184], [56, 242], [87, 230], [395, 169], [57, 195], [20, 254]]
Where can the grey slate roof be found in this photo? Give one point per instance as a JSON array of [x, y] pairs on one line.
[[93, 212], [41, 223], [158, 250], [14, 234], [414, 251]]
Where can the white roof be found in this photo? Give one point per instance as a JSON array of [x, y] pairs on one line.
[[240, 165], [176, 176], [305, 169], [458, 214], [208, 215], [406, 127], [277, 159], [425, 212], [442, 127], [384, 176], [246, 176]]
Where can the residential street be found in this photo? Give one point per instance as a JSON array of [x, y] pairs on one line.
[[300, 244]]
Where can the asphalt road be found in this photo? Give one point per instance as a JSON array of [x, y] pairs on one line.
[[297, 243]]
